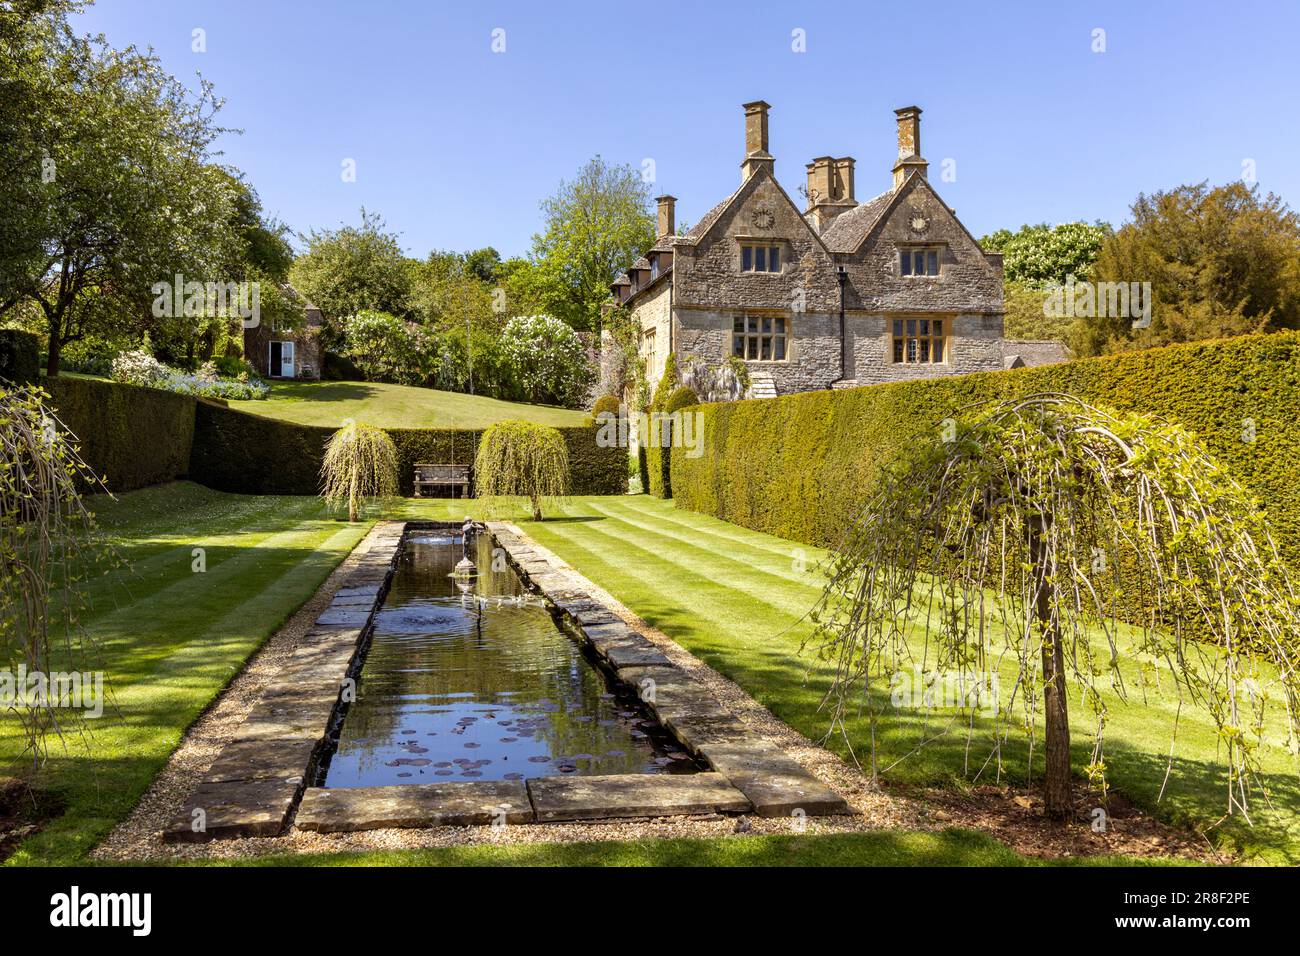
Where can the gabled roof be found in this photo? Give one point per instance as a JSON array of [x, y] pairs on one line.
[[847, 230]]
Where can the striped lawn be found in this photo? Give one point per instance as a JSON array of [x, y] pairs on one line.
[[738, 600]]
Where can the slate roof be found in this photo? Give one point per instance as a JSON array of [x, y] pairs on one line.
[[1031, 353], [847, 230]]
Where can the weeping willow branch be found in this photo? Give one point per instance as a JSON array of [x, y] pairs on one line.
[[1025, 540], [48, 547], [522, 459], [360, 463]]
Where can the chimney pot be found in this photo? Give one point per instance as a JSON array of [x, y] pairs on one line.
[[909, 145], [667, 215], [756, 154]]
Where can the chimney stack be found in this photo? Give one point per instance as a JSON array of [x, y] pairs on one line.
[[667, 215], [756, 154], [909, 145], [830, 189]]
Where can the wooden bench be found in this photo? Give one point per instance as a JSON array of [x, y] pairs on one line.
[[455, 477]]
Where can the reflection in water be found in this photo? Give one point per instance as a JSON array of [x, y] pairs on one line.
[[482, 685]]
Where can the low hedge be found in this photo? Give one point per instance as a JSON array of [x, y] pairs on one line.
[[20, 356], [236, 451], [799, 466], [130, 436]]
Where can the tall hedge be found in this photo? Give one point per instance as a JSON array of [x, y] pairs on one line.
[[130, 436], [798, 466], [236, 451]]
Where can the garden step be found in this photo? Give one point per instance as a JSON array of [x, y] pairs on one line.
[[469, 803], [621, 796]]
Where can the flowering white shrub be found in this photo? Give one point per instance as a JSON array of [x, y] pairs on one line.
[[138, 367]]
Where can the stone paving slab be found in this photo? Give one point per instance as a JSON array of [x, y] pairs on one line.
[[232, 810], [345, 617], [634, 653], [776, 785], [469, 803], [628, 795], [275, 759]]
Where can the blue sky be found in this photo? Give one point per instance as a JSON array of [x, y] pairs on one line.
[[455, 144]]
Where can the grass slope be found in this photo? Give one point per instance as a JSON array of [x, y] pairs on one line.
[[396, 406]]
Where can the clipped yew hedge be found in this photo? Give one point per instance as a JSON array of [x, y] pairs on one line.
[[20, 357], [799, 466], [130, 436], [236, 451]]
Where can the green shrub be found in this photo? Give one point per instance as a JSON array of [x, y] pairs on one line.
[[798, 466], [20, 356], [522, 459], [606, 403], [130, 436]]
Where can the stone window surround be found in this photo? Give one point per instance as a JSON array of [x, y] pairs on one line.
[[765, 241], [940, 248], [746, 316], [949, 320]]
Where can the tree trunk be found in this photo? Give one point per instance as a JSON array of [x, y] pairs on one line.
[[52, 359], [352, 500], [537, 508], [1056, 716]]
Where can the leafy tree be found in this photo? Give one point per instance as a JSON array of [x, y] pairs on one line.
[[484, 265], [522, 459], [595, 226], [1003, 539], [354, 268], [384, 347], [548, 359], [1221, 261], [360, 462], [447, 293], [108, 183], [1038, 255]]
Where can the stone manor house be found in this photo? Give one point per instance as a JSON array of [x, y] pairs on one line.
[[844, 293]]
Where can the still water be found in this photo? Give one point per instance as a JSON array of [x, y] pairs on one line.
[[474, 681]]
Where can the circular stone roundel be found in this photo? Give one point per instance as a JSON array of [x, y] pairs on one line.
[[917, 221], [764, 217]]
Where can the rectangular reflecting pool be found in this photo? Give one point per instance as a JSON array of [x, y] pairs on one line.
[[472, 679]]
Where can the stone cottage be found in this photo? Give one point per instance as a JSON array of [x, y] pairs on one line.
[[842, 293], [287, 352]]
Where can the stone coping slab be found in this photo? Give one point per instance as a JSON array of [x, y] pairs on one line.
[[461, 804], [628, 795], [234, 809]]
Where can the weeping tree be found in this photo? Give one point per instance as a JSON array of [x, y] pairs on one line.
[[1023, 537], [49, 546], [360, 463], [522, 459]]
